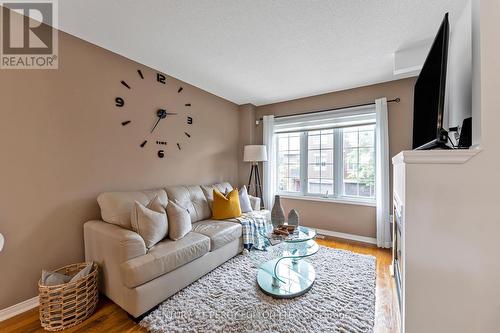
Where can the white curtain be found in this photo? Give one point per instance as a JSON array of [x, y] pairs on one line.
[[382, 177], [270, 165]]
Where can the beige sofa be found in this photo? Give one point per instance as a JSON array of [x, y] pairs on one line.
[[138, 279]]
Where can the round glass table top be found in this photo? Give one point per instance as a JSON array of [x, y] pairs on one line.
[[285, 278], [301, 234], [300, 249]]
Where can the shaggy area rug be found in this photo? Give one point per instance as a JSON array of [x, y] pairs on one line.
[[228, 299]]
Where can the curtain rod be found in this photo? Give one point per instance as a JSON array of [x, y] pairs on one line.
[[395, 100]]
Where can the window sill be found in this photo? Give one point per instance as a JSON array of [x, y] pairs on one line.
[[330, 200]]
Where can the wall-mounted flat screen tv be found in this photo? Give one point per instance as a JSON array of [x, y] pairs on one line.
[[429, 95]]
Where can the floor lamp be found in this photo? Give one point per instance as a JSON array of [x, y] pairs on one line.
[[255, 154]]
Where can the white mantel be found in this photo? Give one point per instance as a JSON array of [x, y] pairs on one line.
[[452, 156]]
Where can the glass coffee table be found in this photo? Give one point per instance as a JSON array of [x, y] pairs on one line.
[[289, 275]]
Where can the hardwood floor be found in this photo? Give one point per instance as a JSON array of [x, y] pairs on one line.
[[111, 318], [387, 318]]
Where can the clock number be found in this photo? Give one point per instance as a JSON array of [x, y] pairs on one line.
[[119, 102], [144, 143], [189, 120], [161, 153], [161, 78], [140, 74], [178, 145]]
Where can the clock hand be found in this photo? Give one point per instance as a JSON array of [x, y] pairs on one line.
[[159, 118], [162, 114]]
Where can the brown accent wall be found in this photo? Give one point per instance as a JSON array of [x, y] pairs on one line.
[[348, 218], [62, 143]]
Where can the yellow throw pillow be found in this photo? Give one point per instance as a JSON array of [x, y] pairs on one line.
[[226, 207]]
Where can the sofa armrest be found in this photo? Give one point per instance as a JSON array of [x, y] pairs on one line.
[[108, 241], [109, 245], [255, 202]]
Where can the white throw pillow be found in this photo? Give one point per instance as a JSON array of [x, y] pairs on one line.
[[150, 221], [245, 204], [179, 221]]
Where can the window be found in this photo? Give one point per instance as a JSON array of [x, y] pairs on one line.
[[332, 158]]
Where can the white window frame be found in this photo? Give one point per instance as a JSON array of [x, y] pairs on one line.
[[338, 173]]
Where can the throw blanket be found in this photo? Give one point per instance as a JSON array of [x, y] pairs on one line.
[[255, 225]]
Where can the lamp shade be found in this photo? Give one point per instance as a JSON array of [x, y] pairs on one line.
[[255, 153]]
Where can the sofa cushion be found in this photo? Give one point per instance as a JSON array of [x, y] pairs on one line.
[[192, 198], [150, 221], [180, 221], [116, 207], [219, 232], [162, 258], [208, 190]]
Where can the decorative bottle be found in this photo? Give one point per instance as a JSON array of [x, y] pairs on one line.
[[277, 213]]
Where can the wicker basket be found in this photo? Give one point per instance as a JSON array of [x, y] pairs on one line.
[[65, 305]]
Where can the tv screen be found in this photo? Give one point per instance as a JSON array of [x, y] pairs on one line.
[[428, 110]]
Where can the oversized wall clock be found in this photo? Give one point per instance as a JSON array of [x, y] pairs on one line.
[[161, 133]]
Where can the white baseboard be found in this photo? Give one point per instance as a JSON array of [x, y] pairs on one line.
[[18, 308], [342, 235]]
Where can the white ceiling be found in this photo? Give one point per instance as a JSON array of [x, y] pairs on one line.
[[260, 51]]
